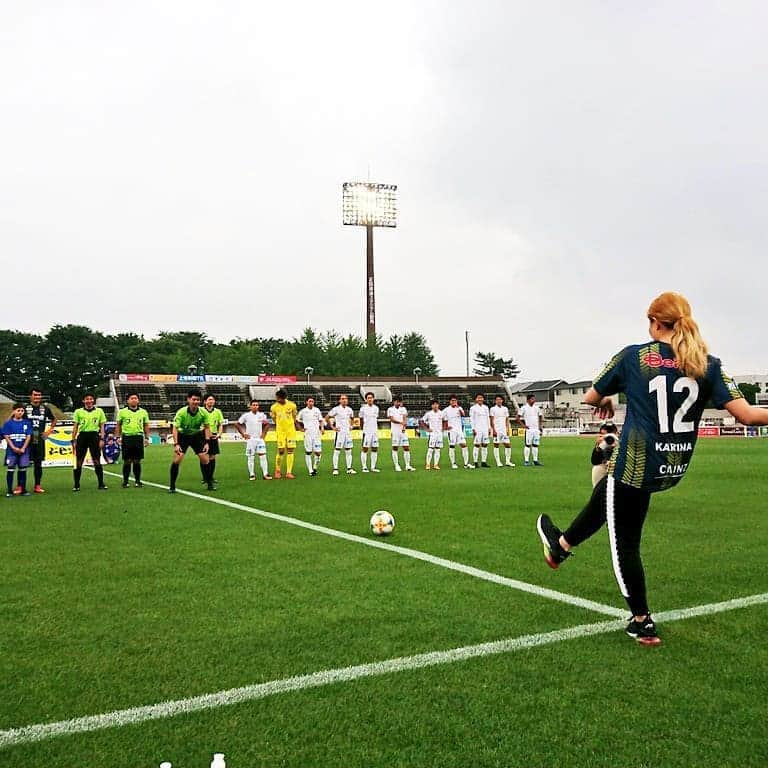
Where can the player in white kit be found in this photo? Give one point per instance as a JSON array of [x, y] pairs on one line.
[[454, 414], [397, 414], [340, 419], [434, 422], [530, 415], [369, 421], [252, 426], [500, 431], [311, 418], [480, 418]]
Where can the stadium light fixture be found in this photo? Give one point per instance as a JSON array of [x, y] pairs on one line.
[[368, 204], [309, 370], [417, 373]]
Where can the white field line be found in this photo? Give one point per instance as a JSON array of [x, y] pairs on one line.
[[134, 715], [469, 570]]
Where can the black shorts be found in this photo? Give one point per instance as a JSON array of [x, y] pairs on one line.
[[88, 442], [133, 447], [37, 451], [196, 442], [213, 447]]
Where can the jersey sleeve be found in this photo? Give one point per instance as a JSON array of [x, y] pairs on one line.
[[48, 413], [724, 388], [612, 378], [177, 419]]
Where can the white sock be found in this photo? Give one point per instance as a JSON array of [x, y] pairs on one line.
[[430, 451], [437, 456], [364, 459], [535, 453], [407, 457], [452, 454], [507, 453], [316, 463], [264, 465], [349, 459], [395, 459], [527, 453], [475, 454], [336, 459], [496, 455], [250, 462], [484, 454], [374, 459], [308, 460], [465, 454]]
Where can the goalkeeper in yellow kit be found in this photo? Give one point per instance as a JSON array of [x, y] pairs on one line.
[[284, 413]]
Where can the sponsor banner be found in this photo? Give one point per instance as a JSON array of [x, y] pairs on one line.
[[189, 377], [264, 379], [215, 378], [559, 431], [58, 446], [753, 432], [163, 378], [732, 431], [709, 431], [763, 431]]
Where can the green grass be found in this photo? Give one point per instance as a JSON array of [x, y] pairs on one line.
[[130, 597]]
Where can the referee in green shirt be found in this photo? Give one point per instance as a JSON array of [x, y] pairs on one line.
[[88, 437], [216, 423], [133, 432], [191, 430]]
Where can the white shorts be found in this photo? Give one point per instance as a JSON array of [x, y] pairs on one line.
[[343, 441], [500, 437], [370, 440], [532, 437], [481, 438], [435, 439], [456, 437], [400, 440], [312, 443], [255, 445]]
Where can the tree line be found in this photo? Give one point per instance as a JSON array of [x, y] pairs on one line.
[[72, 359]]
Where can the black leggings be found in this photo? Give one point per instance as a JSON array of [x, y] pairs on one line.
[[624, 509]]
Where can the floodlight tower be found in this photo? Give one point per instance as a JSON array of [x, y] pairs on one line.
[[369, 205]]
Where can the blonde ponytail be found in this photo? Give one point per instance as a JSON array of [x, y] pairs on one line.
[[674, 311]]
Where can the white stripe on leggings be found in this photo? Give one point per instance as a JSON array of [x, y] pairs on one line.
[[610, 516]]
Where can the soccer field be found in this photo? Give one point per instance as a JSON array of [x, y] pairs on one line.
[[450, 643]]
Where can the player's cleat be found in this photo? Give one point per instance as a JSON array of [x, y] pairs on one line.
[[124, 485], [26, 493], [9, 495], [643, 631], [170, 490], [509, 464], [267, 477], [469, 466], [351, 471], [335, 472], [211, 487], [278, 475], [454, 466], [17, 490], [252, 477], [410, 469], [549, 534], [290, 476], [102, 488], [485, 464], [76, 489], [138, 484], [436, 468], [499, 466], [39, 489], [313, 473], [376, 470], [426, 467], [365, 470], [526, 463], [536, 463], [398, 469]]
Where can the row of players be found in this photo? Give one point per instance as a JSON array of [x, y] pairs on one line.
[[200, 428], [487, 424]]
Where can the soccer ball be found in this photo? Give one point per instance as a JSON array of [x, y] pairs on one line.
[[382, 523]]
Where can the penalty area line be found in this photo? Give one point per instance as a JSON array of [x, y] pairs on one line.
[[478, 573], [118, 718]]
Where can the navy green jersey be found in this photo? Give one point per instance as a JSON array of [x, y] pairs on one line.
[[664, 408], [40, 416], [189, 423]]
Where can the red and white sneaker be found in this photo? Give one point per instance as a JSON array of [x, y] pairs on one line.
[[39, 489]]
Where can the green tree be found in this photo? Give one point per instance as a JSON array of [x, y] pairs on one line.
[[750, 392], [490, 364]]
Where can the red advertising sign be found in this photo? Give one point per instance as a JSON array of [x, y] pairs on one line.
[[134, 377], [277, 379], [709, 431]]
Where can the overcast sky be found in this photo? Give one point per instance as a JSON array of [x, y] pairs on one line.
[[178, 165]]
